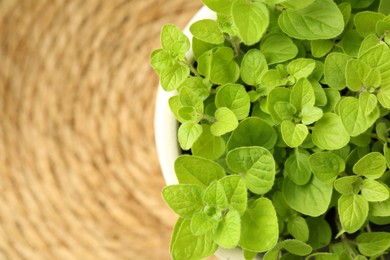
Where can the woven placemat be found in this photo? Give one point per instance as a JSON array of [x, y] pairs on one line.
[[79, 177]]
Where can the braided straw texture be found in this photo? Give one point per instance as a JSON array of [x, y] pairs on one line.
[[79, 176]]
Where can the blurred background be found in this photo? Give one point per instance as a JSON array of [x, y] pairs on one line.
[[79, 176]]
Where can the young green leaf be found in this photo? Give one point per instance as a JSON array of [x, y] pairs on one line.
[[311, 115], [285, 110], [256, 164], [188, 133], [351, 43], [319, 48], [219, 6], [326, 165], [372, 166], [199, 47], [174, 40], [320, 233], [228, 231], [218, 66], [277, 48], [215, 197], [253, 131], [234, 97], [191, 247], [208, 145], [373, 190], [236, 192], [298, 228], [297, 168], [226, 121], [380, 209], [359, 75], [276, 96], [253, 66], [295, 247], [310, 199], [374, 243], [197, 170], [184, 199], [347, 184], [384, 96], [332, 97], [259, 226], [302, 94], [353, 212], [293, 134], [320, 20], [334, 70], [197, 86], [208, 31], [202, 223], [379, 57], [272, 78], [251, 19], [301, 68], [365, 22], [329, 133]]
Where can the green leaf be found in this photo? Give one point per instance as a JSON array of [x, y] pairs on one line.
[[347, 184], [236, 192], [365, 22], [285, 110], [353, 212], [334, 70], [226, 121], [220, 6], [201, 223], [311, 115], [197, 86], [368, 43], [301, 68], [277, 48], [373, 243], [295, 247], [332, 97], [384, 96], [191, 247], [272, 78], [253, 131], [373, 190], [380, 209], [297, 168], [228, 232], [197, 170], [320, 233], [310, 199], [253, 66], [319, 48], [199, 47], [259, 226], [251, 19], [293, 134], [329, 133], [257, 166], [359, 4], [386, 153], [372, 165], [219, 66], [326, 165], [184, 199], [384, 7], [188, 133], [215, 196], [208, 145], [359, 75], [276, 96], [174, 40], [302, 94], [320, 20], [298, 228], [292, 4], [234, 97], [351, 43], [379, 57], [208, 31], [358, 115]]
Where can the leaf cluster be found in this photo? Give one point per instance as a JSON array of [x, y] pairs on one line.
[[284, 112]]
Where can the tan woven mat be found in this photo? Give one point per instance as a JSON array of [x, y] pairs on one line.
[[79, 177]]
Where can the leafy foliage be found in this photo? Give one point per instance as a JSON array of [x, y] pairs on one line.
[[285, 116]]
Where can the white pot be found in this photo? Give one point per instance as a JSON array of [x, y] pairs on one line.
[[165, 126]]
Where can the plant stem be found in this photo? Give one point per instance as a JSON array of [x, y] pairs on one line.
[[235, 42], [191, 67], [211, 119]]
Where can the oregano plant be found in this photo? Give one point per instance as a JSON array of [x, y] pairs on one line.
[[284, 121]]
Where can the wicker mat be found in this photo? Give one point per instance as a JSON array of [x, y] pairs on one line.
[[79, 177]]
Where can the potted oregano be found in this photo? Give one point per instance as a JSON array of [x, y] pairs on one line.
[[283, 125]]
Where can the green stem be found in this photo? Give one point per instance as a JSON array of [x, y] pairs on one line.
[[191, 67], [235, 42], [211, 119]]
